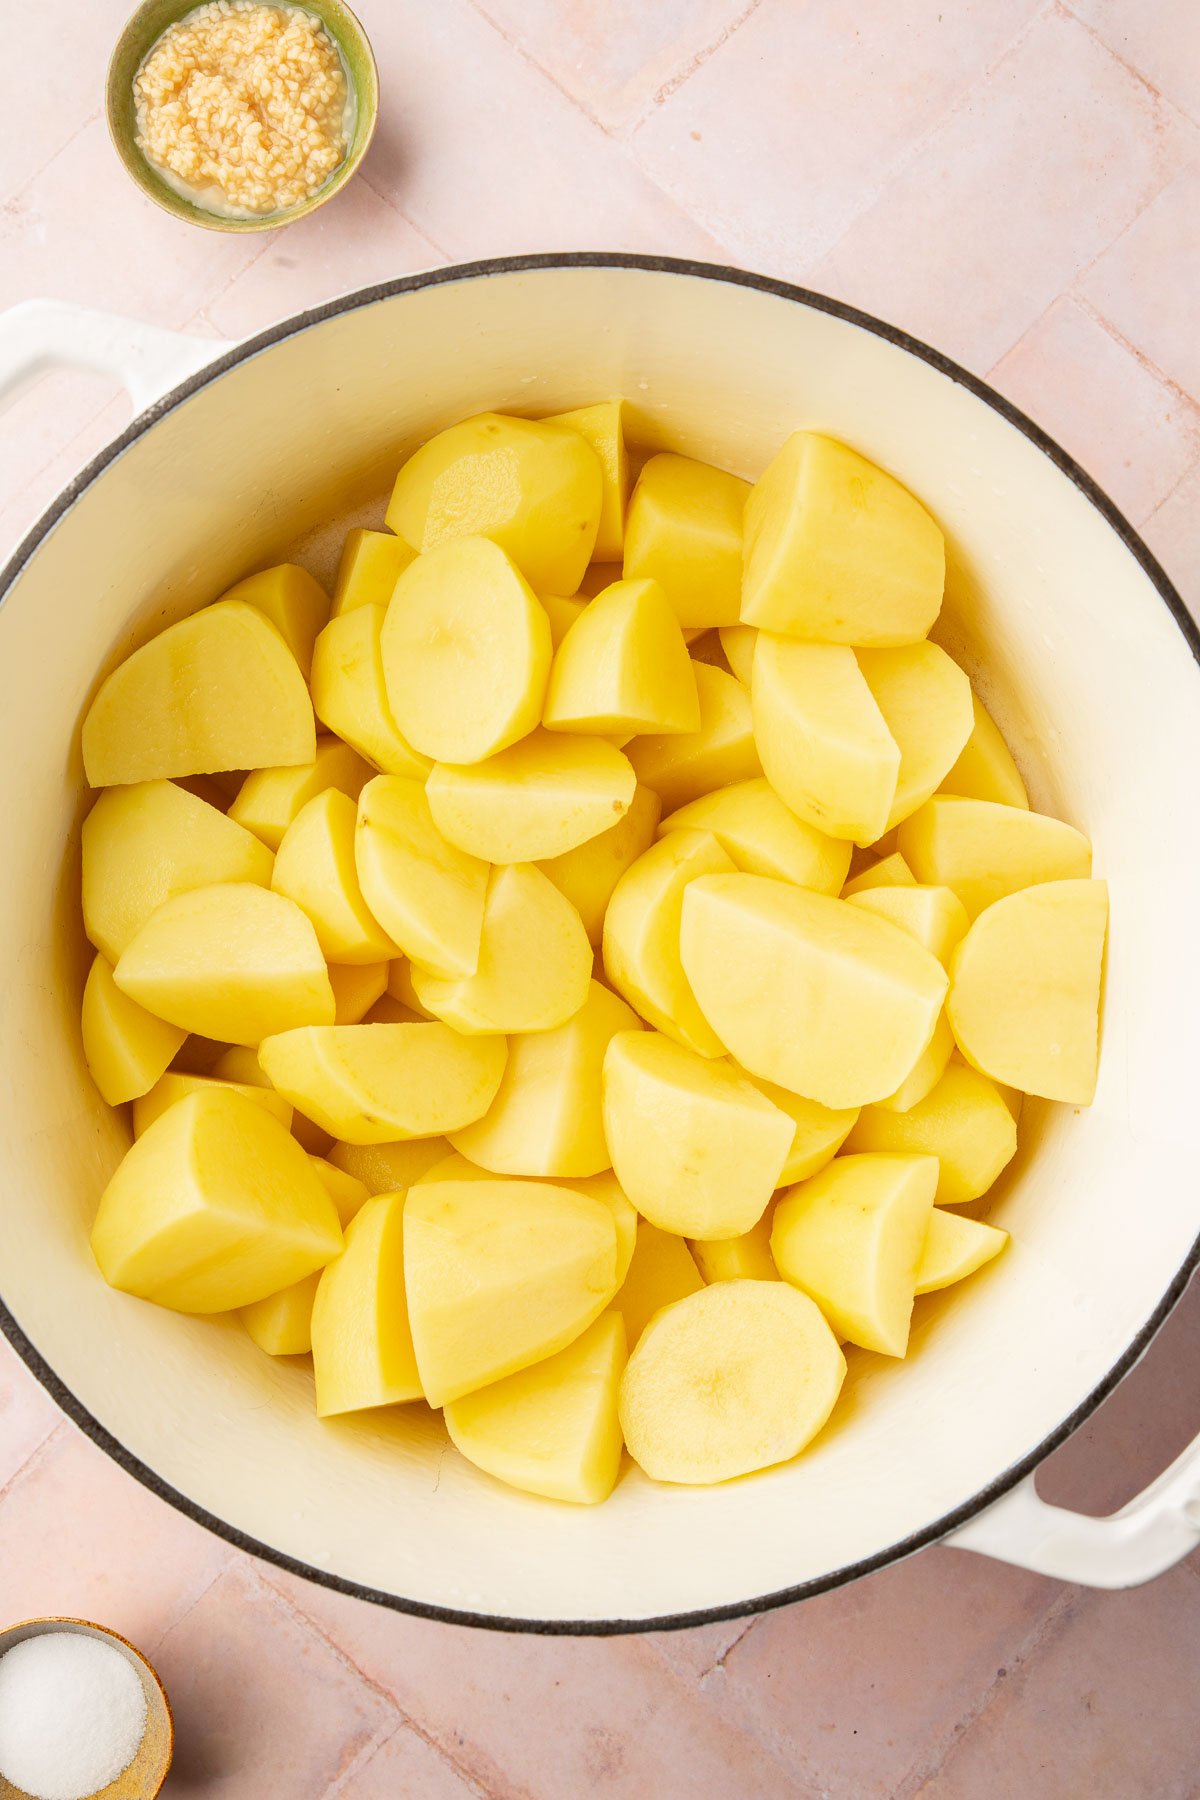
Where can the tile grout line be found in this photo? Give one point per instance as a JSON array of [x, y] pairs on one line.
[[387, 200], [695, 63], [1171, 492], [1067, 10], [56, 1433], [363, 1759], [10, 201], [1188, 401]]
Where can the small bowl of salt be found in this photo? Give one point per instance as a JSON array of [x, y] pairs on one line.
[[83, 1716]]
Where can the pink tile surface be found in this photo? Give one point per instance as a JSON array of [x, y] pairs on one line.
[[1018, 181]]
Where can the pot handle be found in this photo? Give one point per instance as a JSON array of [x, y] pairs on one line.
[[146, 359], [1148, 1536]]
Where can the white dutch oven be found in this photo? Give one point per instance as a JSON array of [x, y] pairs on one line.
[[1088, 659]]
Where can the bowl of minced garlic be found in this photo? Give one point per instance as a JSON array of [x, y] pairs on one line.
[[242, 115]]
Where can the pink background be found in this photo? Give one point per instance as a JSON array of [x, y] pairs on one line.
[[1016, 181]]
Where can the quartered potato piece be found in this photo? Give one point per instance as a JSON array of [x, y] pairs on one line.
[[682, 766], [889, 872], [315, 867], [738, 641], [963, 1120], [588, 874], [361, 1339], [347, 1192], [623, 667], [762, 836], [746, 1257], [662, 1269], [535, 800], [984, 850], [954, 1248], [925, 700], [269, 799], [175, 1085], [349, 694], [986, 769], [126, 1048], [296, 604], [820, 1131], [356, 988], [685, 529], [372, 563], [282, 1323], [426, 893], [384, 1167], [935, 916], [603, 427]]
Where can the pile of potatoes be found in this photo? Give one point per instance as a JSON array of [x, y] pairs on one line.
[[594, 1027]]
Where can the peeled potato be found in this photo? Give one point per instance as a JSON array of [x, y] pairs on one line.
[[603, 1187], [466, 652], [818, 1131], [762, 955], [536, 489], [126, 1048], [499, 1275], [269, 799], [603, 427], [400, 987], [735, 1378], [925, 700], [213, 1208], [535, 800], [661, 1270], [361, 1340], [738, 641], [985, 770], [356, 988], [588, 874], [372, 563], [426, 893], [219, 690], [682, 766], [546, 1118], [954, 1248], [623, 667], [534, 966], [350, 697], [641, 935], [926, 1072], [231, 962], [984, 850], [837, 551], [963, 1121], [347, 1192], [373, 1084], [561, 611], [852, 1237], [935, 916], [146, 843], [296, 604], [762, 836], [1024, 1000], [176, 1085], [825, 745], [551, 1429], [384, 1167], [695, 1145], [889, 872], [746, 1257], [315, 867], [282, 1323], [685, 529]]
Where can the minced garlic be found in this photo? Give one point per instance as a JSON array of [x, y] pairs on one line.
[[245, 105]]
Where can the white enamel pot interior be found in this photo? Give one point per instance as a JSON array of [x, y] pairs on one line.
[[1054, 608]]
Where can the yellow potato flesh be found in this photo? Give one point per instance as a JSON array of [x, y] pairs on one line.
[[347, 1192], [824, 744], [535, 961], [735, 1378], [819, 1132], [356, 988], [535, 489], [374, 1084], [685, 530], [623, 667], [296, 604], [661, 1271], [984, 850], [537, 799], [466, 652], [682, 766], [384, 1167], [269, 799], [738, 641], [214, 1207], [144, 844], [851, 1237], [694, 1144], [175, 1085], [315, 867], [761, 836], [986, 769], [603, 1187], [126, 1048], [963, 1121], [954, 1248], [926, 1072], [282, 1323], [890, 871], [349, 695], [588, 874], [546, 1118], [762, 955], [219, 690], [925, 700], [935, 916], [596, 577], [603, 427], [1024, 1000], [400, 987], [232, 962], [427, 894], [746, 1257], [837, 551], [361, 1339], [551, 1429], [371, 565], [641, 935], [561, 611], [499, 1275]]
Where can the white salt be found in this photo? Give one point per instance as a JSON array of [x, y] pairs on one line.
[[72, 1715]]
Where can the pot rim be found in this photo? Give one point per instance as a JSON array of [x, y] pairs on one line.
[[1002, 1483]]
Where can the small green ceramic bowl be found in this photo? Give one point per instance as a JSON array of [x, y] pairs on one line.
[[145, 28]]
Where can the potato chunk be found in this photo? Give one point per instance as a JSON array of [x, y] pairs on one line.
[[231, 962], [535, 489], [762, 836], [372, 563], [682, 766], [294, 601], [373, 1084], [356, 988], [738, 641], [623, 667], [551, 1429], [819, 1131], [347, 1192], [1024, 999], [350, 697], [535, 800], [984, 850], [315, 867], [499, 1275], [588, 874], [925, 700], [361, 1340], [935, 916], [384, 1167], [746, 1257], [661, 1270], [735, 1378], [269, 799], [214, 1207], [837, 551], [427, 894], [963, 1120], [762, 955], [954, 1248], [852, 1237], [986, 770], [603, 427], [282, 1323], [176, 1085], [889, 872], [126, 1048], [685, 529], [695, 1145]]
